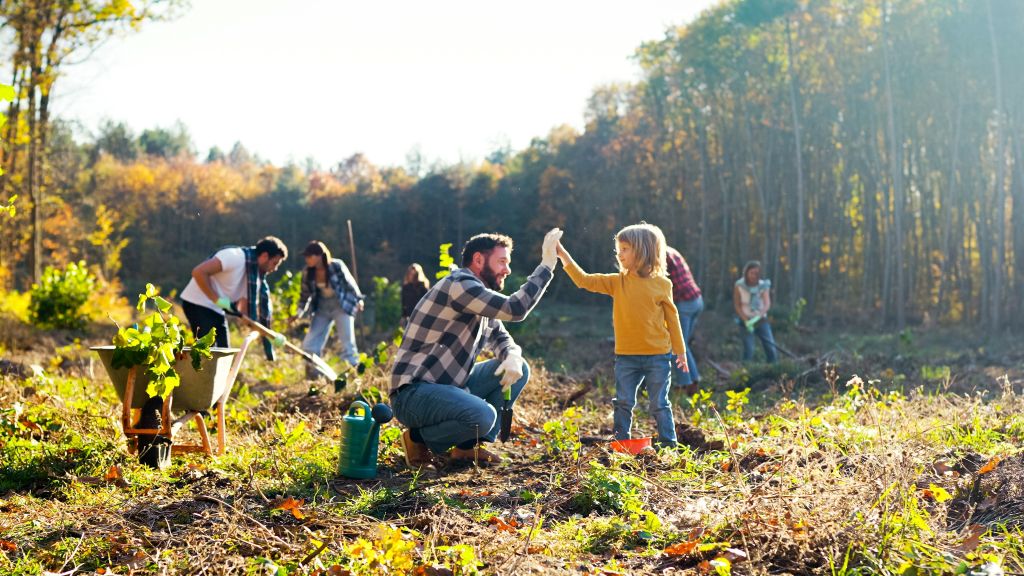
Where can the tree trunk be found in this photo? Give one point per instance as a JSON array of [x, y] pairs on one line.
[[896, 173], [798, 269], [999, 192]]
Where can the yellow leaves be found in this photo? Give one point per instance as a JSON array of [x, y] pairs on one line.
[[291, 505], [935, 493], [392, 552]]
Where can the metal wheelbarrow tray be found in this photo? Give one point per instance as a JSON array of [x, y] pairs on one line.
[[199, 391]]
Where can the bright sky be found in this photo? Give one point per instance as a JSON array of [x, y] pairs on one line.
[[328, 78]]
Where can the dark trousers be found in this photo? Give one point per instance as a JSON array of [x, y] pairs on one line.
[[202, 320]]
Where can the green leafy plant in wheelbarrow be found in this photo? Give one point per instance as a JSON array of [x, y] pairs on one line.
[[148, 353], [157, 343]]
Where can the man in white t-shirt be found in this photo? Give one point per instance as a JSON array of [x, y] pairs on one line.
[[234, 276]]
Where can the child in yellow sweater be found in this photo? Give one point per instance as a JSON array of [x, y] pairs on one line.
[[646, 323]]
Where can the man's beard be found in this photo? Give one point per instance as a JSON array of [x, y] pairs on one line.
[[491, 279]]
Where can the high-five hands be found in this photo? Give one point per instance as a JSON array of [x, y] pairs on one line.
[[549, 250]]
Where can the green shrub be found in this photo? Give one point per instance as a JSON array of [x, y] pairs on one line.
[[58, 298], [387, 302]]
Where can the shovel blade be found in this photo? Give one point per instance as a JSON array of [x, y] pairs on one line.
[[506, 423]]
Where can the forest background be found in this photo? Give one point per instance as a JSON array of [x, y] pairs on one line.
[[869, 152]]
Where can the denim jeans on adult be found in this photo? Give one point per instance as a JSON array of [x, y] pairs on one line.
[[447, 415], [689, 310], [763, 331], [329, 312], [656, 372]]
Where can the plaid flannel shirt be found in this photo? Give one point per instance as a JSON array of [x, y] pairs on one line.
[[684, 287], [455, 321], [341, 281]]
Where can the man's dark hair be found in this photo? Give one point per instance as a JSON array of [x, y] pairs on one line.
[[272, 246], [484, 244]]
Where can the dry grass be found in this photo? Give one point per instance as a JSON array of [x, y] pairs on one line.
[[801, 484]]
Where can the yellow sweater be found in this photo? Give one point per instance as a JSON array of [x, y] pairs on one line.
[[645, 318]]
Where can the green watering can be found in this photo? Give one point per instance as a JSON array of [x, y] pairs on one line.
[[360, 435]]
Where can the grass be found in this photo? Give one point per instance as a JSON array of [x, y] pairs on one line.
[[874, 475]]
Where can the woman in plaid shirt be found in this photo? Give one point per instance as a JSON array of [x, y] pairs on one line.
[[439, 391]]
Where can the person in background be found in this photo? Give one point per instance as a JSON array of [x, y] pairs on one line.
[[329, 296], [414, 286], [690, 303], [234, 277], [751, 299], [646, 322]]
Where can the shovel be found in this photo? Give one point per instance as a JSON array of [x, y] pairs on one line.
[[506, 416], [317, 362]]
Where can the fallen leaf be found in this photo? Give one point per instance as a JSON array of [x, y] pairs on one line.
[[941, 468], [681, 548], [8, 546], [990, 466], [502, 525], [114, 473], [973, 538], [292, 505], [536, 550]]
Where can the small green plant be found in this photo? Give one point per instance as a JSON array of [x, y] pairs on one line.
[[702, 406], [736, 400], [563, 434], [461, 558], [58, 298], [797, 312], [387, 303], [286, 294], [157, 344], [609, 492], [290, 437]]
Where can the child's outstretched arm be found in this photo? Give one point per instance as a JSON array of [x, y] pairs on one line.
[[600, 283]]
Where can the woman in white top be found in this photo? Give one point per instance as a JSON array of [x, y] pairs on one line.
[[751, 299]]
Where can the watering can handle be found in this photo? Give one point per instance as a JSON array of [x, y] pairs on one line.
[[357, 406]]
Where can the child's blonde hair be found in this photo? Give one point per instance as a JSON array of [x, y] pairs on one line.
[[648, 243]]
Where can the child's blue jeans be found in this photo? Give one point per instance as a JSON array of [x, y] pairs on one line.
[[656, 372]]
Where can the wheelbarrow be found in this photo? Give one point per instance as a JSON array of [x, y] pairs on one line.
[[198, 393]]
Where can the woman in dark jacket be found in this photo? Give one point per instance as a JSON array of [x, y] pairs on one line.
[[414, 286]]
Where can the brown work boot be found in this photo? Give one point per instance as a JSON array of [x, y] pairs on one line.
[[416, 453], [476, 454]]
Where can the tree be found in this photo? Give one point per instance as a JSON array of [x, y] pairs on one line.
[[46, 34]]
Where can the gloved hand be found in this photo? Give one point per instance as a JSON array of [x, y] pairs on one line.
[[752, 322], [278, 340], [224, 302], [549, 250], [510, 370]]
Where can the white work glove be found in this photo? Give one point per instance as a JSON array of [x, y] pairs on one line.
[[510, 370], [549, 250], [224, 302]]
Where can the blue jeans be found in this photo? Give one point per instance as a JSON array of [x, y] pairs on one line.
[[689, 310], [329, 312], [763, 330], [656, 372], [447, 415]]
